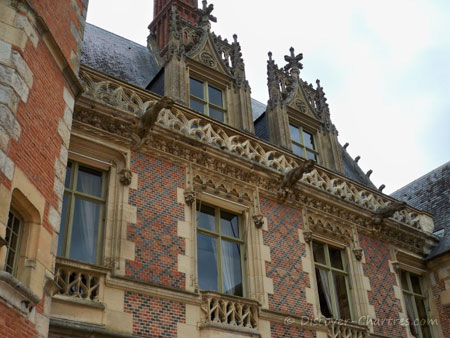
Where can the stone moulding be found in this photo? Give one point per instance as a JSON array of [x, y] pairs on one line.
[[183, 121]]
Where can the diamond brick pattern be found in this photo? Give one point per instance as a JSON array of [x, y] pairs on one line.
[[382, 282], [285, 330], [154, 317], [286, 271], [155, 233]]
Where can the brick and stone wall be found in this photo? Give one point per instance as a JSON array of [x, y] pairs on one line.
[[14, 326], [155, 232], [283, 330], [287, 252], [382, 281], [154, 317], [440, 283]]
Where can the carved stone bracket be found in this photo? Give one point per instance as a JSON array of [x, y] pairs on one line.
[[189, 197], [258, 220], [125, 176], [308, 235], [358, 252]]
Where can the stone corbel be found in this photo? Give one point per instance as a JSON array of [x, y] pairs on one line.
[[358, 252], [258, 220], [51, 287], [308, 235], [189, 197], [125, 176]]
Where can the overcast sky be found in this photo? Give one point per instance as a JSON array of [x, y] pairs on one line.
[[384, 66]]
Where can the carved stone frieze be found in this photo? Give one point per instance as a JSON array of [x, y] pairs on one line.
[[221, 187], [329, 228]]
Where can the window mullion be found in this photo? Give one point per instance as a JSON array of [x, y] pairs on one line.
[[68, 234]]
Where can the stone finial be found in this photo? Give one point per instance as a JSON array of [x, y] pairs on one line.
[[380, 189], [270, 56], [204, 15], [346, 145], [293, 60], [369, 173], [357, 158]]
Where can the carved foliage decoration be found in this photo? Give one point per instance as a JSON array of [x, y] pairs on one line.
[[221, 187], [329, 228]]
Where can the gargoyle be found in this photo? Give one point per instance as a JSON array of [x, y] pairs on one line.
[[293, 176], [148, 120], [388, 211]]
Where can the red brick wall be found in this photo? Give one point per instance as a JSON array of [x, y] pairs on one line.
[[382, 282], [158, 212], [13, 325], [154, 317], [444, 311], [58, 16], [285, 269], [288, 331]]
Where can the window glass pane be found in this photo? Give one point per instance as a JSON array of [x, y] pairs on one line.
[[89, 181], [324, 292], [421, 311], [206, 218], [217, 114], [310, 155], [342, 302], [229, 225], [68, 175], [403, 278], [198, 106], [231, 266], [415, 282], [319, 253], [63, 227], [295, 135], [336, 258], [207, 262], [196, 88], [297, 150], [215, 96], [83, 244], [308, 140]]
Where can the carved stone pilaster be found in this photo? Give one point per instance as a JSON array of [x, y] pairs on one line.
[[258, 220], [125, 176]]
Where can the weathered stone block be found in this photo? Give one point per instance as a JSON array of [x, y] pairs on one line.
[[23, 69], [13, 35], [12, 77], [64, 132], [8, 97], [4, 140], [5, 52], [22, 22], [54, 218]]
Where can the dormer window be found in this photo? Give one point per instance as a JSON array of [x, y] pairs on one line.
[[303, 143], [207, 99]]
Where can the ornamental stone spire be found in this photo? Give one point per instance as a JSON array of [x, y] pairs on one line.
[[205, 16]]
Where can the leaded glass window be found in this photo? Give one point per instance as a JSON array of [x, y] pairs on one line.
[[207, 99], [303, 143], [415, 305], [219, 250], [333, 283], [14, 229], [82, 213]]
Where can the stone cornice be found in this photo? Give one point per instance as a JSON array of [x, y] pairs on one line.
[[111, 110]]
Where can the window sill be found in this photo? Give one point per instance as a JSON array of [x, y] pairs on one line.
[[17, 294], [79, 301], [83, 265]]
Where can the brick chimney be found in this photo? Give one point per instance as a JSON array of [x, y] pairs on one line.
[[161, 16]]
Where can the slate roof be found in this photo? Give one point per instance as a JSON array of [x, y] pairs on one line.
[[431, 193], [117, 56]]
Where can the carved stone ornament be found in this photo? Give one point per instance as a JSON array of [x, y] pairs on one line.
[[387, 211], [208, 60], [358, 253], [396, 266], [308, 236], [301, 106], [189, 197], [258, 220], [125, 176]]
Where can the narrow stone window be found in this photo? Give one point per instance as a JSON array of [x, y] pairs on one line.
[[333, 284], [219, 250], [207, 100], [82, 214], [303, 143], [415, 305], [13, 238]]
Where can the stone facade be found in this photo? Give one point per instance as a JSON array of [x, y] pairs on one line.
[[160, 161]]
